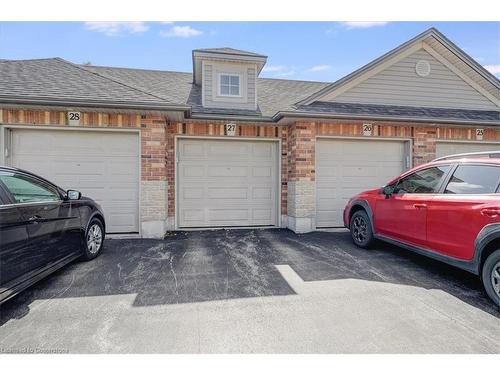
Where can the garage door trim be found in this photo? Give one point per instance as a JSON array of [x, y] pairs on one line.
[[407, 140], [227, 138], [467, 141], [5, 139]]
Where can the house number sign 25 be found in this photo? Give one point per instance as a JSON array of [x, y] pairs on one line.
[[479, 134]]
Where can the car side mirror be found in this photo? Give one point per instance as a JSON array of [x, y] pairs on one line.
[[73, 195], [388, 191]]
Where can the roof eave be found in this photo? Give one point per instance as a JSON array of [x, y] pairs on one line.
[[321, 115], [203, 116], [88, 103]]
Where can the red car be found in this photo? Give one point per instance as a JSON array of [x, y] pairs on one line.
[[448, 209]]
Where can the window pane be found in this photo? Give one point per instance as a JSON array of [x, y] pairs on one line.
[[224, 89], [474, 179], [25, 189], [235, 90], [224, 80], [235, 80], [425, 181]]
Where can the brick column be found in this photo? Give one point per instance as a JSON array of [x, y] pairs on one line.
[[424, 145], [154, 186], [301, 177]]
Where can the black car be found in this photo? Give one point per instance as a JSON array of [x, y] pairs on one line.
[[42, 228]]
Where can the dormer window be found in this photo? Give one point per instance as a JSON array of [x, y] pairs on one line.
[[227, 77], [229, 84]]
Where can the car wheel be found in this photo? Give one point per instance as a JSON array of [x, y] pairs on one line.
[[94, 239], [361, 230], [491, 276]]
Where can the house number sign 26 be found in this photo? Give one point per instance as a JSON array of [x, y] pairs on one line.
[[367, 129]]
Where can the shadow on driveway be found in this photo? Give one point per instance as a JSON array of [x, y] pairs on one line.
[[202, 266]]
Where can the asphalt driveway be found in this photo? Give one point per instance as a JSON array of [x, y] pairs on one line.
[[265, 291]]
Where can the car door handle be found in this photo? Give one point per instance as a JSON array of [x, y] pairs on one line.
[[34, 219], [490, 212], [419, 205]]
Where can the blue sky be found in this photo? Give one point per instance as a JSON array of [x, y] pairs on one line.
[[319, 51]]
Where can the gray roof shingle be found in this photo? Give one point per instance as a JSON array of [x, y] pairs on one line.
[[274, 94], [59, 80], [399, 111]]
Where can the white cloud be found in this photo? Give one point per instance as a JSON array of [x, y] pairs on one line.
[[494, 69], [117, 28], [274, 68], [181, 32], [362, 25], [319, 68], [287, 73], [279, 70]]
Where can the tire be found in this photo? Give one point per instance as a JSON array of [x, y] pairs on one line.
[[94, 239], [361, 230], [490, 275]]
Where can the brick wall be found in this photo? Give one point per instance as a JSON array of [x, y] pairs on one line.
[[301, 199], [298, 142]]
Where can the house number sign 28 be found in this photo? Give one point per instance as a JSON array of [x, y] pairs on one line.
[[74, 118]]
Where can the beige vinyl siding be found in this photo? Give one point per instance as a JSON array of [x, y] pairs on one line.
[[251, 86], [207, 83], [462, 66], [248, 87], [400, 85]]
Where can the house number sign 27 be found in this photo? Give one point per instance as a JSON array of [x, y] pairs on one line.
[[231, 129]]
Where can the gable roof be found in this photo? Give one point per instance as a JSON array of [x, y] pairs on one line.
[[56, 81], [229, 51], [482, 79]]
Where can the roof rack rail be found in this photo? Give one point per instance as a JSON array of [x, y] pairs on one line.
[[484, 154]]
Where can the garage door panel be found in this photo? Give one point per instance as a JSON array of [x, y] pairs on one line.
[[228, 215], [262, 214], [345, 167], [227, 171], [263, 151], [450, 148], [227, 193], [102, 165], [230, 186], [222, 150]]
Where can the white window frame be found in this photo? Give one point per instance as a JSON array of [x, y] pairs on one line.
[[219, 84]]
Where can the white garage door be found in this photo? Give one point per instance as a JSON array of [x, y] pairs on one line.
[[450, 148], [345, 167], [227, 183], [102, 165]]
